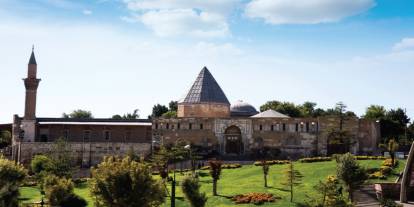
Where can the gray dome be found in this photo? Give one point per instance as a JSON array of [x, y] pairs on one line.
[[242, 109]]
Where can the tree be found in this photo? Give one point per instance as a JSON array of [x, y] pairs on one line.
[[173, 105], [79, 114], [265, 168], [158, 110], [308, 109], [350, 173], [42, 165], [11, 176], [133, 115], [170, 114], [215, 172], [392, 146], [59, 192], [191, 189], [287, 108], [120, 182], [160, 161], [62, 159], [331, 194], [375, 112], [5, 138], [292, 178]]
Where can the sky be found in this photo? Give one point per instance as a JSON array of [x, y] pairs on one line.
[[114, 56]]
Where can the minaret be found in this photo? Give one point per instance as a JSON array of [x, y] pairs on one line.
[[31, 83]]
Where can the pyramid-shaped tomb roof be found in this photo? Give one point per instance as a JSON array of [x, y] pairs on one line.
[[205, 89]]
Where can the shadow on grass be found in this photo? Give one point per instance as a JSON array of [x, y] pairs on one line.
[[206, 181], [203, 174], [282, 189]]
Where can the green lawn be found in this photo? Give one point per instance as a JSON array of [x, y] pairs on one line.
[[244, 180]]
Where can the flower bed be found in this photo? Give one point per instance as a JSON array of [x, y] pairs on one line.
[[315, 159], [254, 198], [272, 162]]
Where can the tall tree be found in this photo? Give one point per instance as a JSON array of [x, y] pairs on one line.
[[265, 168], [351, 174], [292, 178], [158, 110], [79, 113], [5, 138], [375, 112], [173, 105], [215, 172], [287, 108], [308, 109]]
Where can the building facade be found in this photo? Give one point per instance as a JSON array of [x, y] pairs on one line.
[[206, 119], [89, 140]]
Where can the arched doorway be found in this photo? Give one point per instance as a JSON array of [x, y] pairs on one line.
[[234, 144]]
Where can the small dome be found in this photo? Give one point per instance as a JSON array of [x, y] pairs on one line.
[[242, 109]]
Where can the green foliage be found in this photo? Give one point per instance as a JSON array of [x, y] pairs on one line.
[[79, 114], [62, 159], [11, 176], [73, 200], [350, 173], [292, 178], [315, 159], [287, 108], [375, 112], [170, 114], [215, 172], [173, 105], [191, 189], [330, 192], [5, 138], [133, 115], [120, 182], [42, 163], [158, 110], [272, 162]]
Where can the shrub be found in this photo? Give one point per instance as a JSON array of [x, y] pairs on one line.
[[350, 172], [73, 200], [41, 163], [315, 159], [386, 170], [11, 176], [124, 182], [255, 198], [377, 175], [388, 163], [370, 157], [58, 190], [224, 166], [191, 190]]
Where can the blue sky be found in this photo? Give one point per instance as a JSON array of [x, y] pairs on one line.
[[112, 56]]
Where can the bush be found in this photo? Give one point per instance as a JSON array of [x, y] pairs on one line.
[[272, 162], [41, 163], [255, 198], [11, 176], [57, 189], [370, 157], [191, 190], [74, 200], [124, 182], [315, 159], [388, 163]]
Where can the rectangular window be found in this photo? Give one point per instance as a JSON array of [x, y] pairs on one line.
[[167, 126], [272, 128], [201, 126], [260, 127], [307, 126], [178, 126], [284, 127], [86, 135], [107, 135], [297, 127], [156, 126], [190, 126]]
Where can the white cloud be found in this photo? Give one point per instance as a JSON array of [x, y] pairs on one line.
[[185, 22], [197, 18], [87, 12], [305, 11], [404, 44]]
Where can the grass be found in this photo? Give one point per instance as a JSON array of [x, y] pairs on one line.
[[244, 180]]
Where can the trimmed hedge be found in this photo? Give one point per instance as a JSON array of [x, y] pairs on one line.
[[370, 157], [272, 162], [225, 166], [315, 159]]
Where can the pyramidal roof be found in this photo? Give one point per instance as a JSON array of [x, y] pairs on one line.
[[205, 89], [270, 114]]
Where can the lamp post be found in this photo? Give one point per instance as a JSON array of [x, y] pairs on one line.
[[188, 147]]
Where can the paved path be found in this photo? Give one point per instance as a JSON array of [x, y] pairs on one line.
[[366, 197]]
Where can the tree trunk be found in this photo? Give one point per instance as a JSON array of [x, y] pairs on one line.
[[291, 191], [265, 181], [214, 187], [351, 197], [392, 154]]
